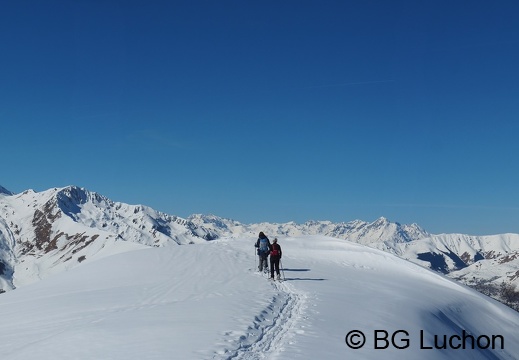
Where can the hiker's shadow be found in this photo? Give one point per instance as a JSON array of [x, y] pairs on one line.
[[296, 269], [300, 278]]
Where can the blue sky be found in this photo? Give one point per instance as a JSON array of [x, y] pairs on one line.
[[269, 110]]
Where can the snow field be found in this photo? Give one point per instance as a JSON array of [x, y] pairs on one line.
[[205, 301]]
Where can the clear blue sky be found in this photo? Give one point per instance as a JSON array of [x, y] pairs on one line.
[[269, 110]]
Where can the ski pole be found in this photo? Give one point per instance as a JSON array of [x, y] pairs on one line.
[[282, 269]]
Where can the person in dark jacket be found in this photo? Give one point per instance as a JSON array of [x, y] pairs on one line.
[[275, 256], [263, 245]]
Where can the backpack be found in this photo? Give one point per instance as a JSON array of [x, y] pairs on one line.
[[275, 250], [263, 245]]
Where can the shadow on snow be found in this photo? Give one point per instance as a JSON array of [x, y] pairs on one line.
[[305, 279], [301, 279], [296, 269]]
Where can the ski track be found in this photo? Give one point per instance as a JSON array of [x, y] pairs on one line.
[[272, 328]]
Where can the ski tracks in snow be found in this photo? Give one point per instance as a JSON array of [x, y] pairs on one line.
[[273, 328]]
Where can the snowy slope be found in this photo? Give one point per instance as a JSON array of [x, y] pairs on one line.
[[492, 258], [204, 301]]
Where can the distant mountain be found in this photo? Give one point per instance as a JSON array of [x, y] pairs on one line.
[[358, 231], [471, 259], [50, 231]]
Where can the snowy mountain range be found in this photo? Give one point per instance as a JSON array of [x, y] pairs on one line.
[[123, 288], [47, 232]]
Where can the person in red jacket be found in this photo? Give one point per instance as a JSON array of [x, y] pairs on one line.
[[275, 256]]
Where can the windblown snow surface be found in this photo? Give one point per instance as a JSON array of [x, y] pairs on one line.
[[205, 301]]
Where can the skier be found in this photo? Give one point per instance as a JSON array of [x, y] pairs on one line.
[[263, 245], [275, 256]]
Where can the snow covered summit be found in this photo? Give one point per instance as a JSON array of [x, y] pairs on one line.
[[47, 232]]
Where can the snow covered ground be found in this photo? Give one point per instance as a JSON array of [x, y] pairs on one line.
[[205, 301]]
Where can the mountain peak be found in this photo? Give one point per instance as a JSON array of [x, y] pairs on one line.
[[381, 220]]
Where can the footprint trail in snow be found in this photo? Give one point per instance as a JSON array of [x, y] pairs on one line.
[[270, 330]]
